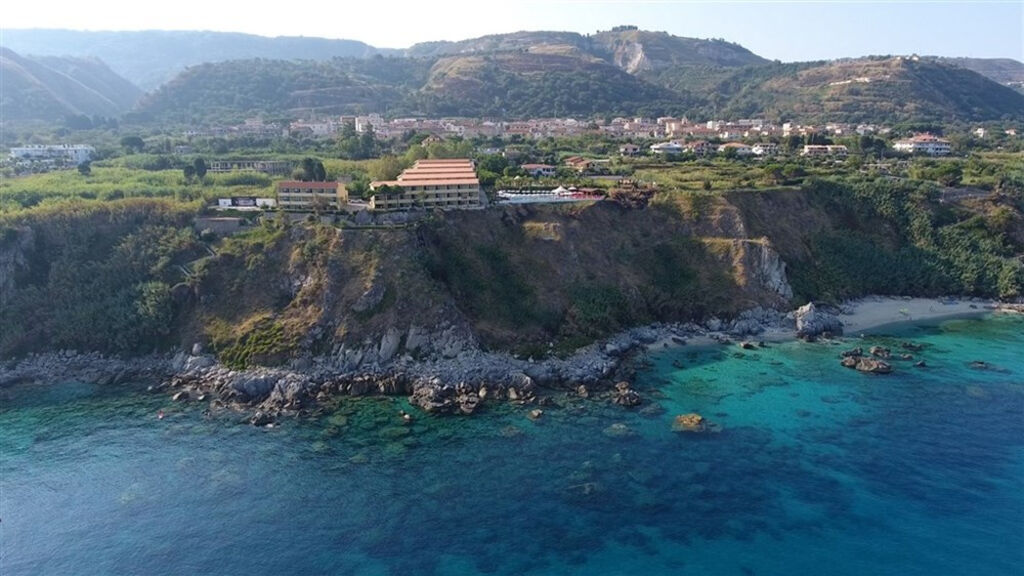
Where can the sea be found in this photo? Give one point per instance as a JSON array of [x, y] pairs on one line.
[[812, 468]]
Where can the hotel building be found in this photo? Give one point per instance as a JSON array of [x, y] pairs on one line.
[[446, 184]]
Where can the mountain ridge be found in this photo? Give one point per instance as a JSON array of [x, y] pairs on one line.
[[623, 71], [54, 87]]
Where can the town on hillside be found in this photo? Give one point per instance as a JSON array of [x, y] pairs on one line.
[[412, 165]]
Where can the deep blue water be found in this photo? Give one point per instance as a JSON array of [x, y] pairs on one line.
[[817, 470]]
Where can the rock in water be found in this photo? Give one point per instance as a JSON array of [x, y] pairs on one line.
[[866, 364], [692, 422], [623, 395], [812, 322], [261, 419]]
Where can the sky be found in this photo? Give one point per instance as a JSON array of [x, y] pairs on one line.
[[777, 30]]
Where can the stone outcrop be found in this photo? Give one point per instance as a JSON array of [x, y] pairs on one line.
[[623, 395], [812, 321], [441, 369], [871, 364]]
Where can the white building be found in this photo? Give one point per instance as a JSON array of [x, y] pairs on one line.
[[824, 150], [77, 153], [740, 148], [923, 144], [666, 148], [374, 120], [765, 149]]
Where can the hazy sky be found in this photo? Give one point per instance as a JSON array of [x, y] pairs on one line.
[[777, 30]]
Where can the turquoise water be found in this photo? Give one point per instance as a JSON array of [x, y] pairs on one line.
[[817, 470]]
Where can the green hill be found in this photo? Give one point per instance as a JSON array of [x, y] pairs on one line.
[[624, 71], [517, 84], [866, 90], [51, 88], [232, 90], [151, 57], [1006, 71]]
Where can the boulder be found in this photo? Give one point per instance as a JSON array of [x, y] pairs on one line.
[[812, 322], [879, 352], [623, 395], [866, 364], [371, 298], [692, 422], [389, 343], [261, 418], [873, 366], [416, 339], [747, 345]]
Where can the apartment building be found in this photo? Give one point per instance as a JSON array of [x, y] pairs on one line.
[[309, 196]]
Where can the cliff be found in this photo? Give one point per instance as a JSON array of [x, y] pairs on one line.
[[132, 277]]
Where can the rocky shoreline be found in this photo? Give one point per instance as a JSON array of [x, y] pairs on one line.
[[441, 371]]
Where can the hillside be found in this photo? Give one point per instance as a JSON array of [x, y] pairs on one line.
[[508, 84], [867, 90], [541, 84], [150, 58], [226, 91], [132, 276], [637, 51], [1006, 71], [50, 88], [624, 71]]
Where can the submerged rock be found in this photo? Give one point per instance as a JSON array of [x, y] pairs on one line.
[[617, 430], [692, 422]]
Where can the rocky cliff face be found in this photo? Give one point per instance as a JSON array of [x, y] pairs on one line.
[[766, 267], [531, 281], [12, 255]]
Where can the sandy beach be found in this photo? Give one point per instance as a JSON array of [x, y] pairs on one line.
[[873, 312], [866, 315]]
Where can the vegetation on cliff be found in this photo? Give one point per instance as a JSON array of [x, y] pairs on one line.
[[133, 276]]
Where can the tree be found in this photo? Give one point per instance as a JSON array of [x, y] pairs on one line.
[[200, 167], [133, 144], [368, 143], [85, 168], [190, 172], [386, 168], [793, 142], [311, 170]]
